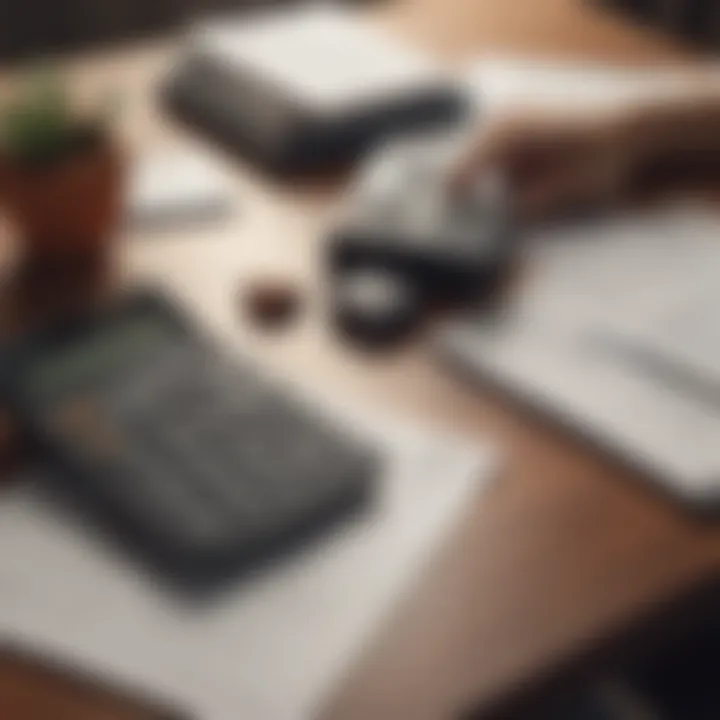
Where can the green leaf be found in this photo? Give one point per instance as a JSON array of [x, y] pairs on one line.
[[39, 123]]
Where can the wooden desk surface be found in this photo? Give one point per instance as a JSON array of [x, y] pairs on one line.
[[568, 551]]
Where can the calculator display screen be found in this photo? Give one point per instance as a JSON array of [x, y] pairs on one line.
[[97, 356]]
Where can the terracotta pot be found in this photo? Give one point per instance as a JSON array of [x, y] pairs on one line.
[[65, 209]]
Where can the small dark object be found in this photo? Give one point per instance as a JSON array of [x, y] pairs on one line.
[[273, 302], [376, 307]]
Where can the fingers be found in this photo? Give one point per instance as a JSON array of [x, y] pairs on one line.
[[514, 151], [486, 152], [471, 164], [568, 188], [519, 149], [546, 162], [548, 195]]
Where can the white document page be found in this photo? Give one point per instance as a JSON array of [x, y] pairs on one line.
[[583, 337]]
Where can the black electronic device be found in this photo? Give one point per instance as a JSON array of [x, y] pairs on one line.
[[402, 215], [189, 456], [302, 89]]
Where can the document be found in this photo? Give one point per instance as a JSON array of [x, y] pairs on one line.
[[613, 333]]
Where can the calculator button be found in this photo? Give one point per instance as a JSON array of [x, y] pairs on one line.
[[229, 487], [170, 502]]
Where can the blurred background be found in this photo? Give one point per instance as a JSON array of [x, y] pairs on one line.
[[40, 26], [533, 544]]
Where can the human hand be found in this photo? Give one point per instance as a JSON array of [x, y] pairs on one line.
[[552, 163]]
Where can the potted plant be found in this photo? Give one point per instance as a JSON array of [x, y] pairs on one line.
[[61, 174]]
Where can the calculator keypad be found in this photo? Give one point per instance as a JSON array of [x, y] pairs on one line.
[[209, 452]]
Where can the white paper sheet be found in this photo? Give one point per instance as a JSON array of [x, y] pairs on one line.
[[590, 286], [269, 650], [168, 190]]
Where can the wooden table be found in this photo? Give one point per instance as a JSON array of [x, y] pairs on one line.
[[569, 552]]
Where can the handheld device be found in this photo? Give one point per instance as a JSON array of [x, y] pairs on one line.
[[401, 216], [195, 461]]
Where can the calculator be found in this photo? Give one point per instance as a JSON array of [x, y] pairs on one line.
[[191, 458]]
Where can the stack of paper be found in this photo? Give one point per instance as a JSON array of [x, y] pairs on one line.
[[613, 334]]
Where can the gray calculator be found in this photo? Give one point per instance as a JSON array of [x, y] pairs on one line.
[[190, 457]]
